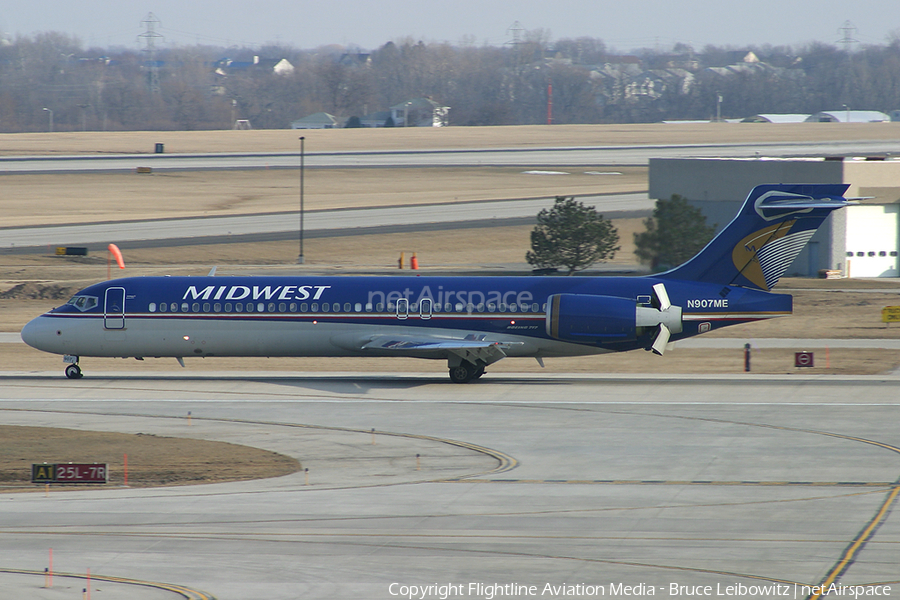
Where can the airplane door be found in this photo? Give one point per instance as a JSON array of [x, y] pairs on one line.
[[402, 308], [426, 306], [114, 308]]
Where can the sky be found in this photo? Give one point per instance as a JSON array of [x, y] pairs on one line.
[[306, 24]]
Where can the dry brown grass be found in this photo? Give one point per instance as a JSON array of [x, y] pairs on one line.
[[143, 142], [152, 460]]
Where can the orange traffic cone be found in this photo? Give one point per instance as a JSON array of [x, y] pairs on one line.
[[414, 262]]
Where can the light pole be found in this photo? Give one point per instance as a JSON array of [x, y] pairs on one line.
[[301, 259], [718, 108], [50, 129]]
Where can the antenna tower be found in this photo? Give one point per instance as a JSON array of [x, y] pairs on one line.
[[150, 36], [847, 40]]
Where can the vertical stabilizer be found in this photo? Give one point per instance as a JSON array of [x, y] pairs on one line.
[[765, 237]]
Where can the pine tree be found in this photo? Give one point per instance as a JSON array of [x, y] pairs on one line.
[[571, 235], [675, 233]]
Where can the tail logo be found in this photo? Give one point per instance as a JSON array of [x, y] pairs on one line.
[[765, 255]]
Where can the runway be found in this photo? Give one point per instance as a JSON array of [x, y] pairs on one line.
[[598, 155], [591, 482]]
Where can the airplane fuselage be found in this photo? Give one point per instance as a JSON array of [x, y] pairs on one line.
[[338, 316]]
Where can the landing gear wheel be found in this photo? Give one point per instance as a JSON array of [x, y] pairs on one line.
[[74, 372], [464, 372]]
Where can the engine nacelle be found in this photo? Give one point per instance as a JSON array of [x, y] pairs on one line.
[[591, 319]]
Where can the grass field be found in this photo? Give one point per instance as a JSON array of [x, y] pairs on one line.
[[331, 140]]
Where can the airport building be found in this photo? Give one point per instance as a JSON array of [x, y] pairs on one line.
[[858, 241]]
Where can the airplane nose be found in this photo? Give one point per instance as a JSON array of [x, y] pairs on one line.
[[35, 333]]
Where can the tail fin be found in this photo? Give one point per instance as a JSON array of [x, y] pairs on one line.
[[765, 237]]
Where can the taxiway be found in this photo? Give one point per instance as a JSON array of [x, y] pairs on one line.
[[521, 479]]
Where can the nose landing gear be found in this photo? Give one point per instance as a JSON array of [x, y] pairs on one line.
[[73, 371]]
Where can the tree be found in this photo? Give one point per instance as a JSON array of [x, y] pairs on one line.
[[676, 232], [571, 235]]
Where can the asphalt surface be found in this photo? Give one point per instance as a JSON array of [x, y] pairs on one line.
[[526, 480], [599, 155]]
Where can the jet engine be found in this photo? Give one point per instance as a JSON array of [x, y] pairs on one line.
[[588, 319]]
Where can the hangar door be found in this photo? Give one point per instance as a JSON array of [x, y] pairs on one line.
[[872, 242]]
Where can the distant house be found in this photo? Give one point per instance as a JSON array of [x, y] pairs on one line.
[[849, 116], [655, 83], [420, 112], [279, 66], [320, 120], [356, 59], [375, 119]]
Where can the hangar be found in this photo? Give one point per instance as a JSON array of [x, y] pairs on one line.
[[860, 241]]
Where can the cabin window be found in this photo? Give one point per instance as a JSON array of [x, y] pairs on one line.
[[261, 307], [217, 307], [304, 307], [346, 307], [379, 307], [358, 307], [860, 253], [368, 307], [470, 307], [293, 307], [534, 307], [882, 253], [250, 307], [206, 307], [315, 307], [163, 307], [503, 308], [491, 307], [390, 307], [184, 307], [174, 307], [152, 307], [239, 307], [326, 307], [195, 307], [228, 307]]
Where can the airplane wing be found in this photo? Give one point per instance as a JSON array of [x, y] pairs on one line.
[[469, 349]]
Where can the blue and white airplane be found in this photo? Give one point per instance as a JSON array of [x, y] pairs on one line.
[[471, 322]]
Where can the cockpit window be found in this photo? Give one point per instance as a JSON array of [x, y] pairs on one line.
[[83, 303]]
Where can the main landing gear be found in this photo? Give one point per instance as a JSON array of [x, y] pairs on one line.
[[465, 372], [73, 371]]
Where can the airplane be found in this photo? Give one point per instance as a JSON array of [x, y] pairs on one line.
[[471, 322]]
